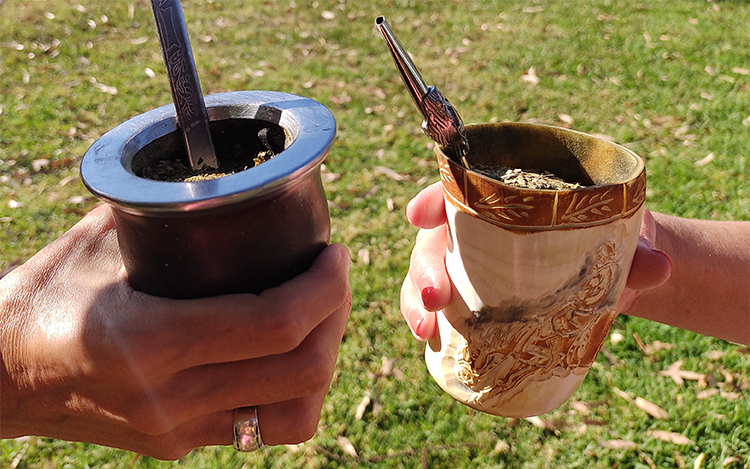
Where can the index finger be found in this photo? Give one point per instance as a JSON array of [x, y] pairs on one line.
[[427, 209], [187, 333]]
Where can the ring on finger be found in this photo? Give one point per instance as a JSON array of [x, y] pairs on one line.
[[246, 430]]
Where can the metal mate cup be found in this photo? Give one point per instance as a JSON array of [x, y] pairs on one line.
[[241, 233]]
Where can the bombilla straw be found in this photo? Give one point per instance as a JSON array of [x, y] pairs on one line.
[[192, 116], [442, 122]]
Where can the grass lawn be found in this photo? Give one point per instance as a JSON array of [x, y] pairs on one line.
[[669, 79]]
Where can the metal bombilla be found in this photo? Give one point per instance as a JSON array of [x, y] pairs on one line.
[[442, 123]]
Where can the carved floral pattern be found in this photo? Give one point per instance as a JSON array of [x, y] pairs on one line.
[[498, 206], [513, 207], [504, 347], [580, 208]]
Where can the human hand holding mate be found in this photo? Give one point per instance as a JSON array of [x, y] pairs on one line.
[[691, 274], [87, 358]]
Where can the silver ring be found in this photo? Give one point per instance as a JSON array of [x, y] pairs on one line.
[[246, 430]]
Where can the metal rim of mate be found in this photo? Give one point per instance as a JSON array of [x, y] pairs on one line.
[[309, 126]]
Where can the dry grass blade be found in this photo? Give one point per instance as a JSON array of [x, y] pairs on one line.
[[21, 454]]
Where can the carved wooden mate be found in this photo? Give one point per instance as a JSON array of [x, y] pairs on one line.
[[537, 274], [240, 233]]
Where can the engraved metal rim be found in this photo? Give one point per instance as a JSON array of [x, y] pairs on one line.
[[105, 168]]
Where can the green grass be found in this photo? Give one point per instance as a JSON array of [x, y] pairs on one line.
[[666, 78]]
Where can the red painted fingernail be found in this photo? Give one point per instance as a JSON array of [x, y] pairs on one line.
[[426, 293]]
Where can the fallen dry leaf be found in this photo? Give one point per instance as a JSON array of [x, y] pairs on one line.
[[728, 377], [360, 412], [38, 165], [699, 461], [731, 396], [715, 355], [364, 256], [648, 459], [541, 423], [618, 444], [730, 460], [501, 447], [77, 199], [679, 460], [670, 437], [568, 119], [530, 76], [704, 161], [580, 407], [653, 347], [328, 176], [741, 71], [396, 176], [678, 375], [386, 367], [622, 394], [105, 88], [707, 393], [347, 446], [651, 409]]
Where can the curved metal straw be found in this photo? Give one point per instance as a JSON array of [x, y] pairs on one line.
[[183, 81], [442, 122]]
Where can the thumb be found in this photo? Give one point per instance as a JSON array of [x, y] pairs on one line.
[[651, 267]]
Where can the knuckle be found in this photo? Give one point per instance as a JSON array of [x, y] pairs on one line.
[[145, 419], [286, 332], [315, 374], [304, 429]]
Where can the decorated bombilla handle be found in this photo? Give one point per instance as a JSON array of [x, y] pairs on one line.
[[442, 123]]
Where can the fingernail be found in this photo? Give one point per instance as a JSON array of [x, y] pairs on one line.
[[426, 293], [665, 255], [419, 329], [343, 253]]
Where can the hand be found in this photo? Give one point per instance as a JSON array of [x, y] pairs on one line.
[[427, 288], [87, 358]]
